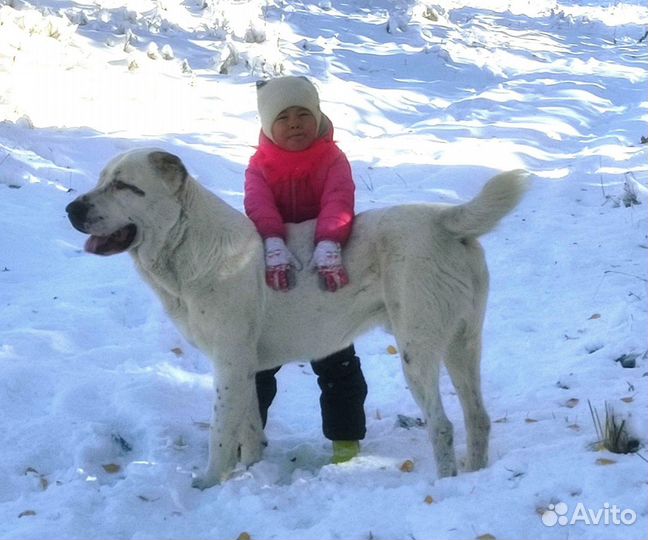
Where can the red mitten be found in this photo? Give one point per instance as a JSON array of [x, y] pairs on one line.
[[280, 265], [327, 260]]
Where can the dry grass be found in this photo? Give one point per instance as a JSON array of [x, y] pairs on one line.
[[612, 432]]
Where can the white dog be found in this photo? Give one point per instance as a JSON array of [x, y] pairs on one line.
[[417, 270]]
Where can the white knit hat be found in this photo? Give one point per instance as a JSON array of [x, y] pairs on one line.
[[276, 95]]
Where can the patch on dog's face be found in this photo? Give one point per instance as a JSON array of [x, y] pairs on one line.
[[135, 193]]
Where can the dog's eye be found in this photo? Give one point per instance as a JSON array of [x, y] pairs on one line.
[[119, 185]]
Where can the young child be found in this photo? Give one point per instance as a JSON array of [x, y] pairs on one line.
[[298, 173]]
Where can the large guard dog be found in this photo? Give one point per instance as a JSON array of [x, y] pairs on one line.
[[418, 270]]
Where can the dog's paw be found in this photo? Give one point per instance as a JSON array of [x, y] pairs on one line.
[[204, 481]]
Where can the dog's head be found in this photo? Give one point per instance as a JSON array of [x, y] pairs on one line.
[[138, 194]]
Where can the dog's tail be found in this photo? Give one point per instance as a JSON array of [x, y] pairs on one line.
[[498, 197]]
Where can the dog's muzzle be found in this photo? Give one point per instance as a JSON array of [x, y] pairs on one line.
[[116, 242]]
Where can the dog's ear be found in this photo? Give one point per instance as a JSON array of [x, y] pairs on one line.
[[170, 168]]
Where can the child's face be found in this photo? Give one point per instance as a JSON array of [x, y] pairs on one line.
[[294, 129]]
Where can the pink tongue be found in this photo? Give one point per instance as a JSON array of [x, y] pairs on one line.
[[92, 244], [100, 245], [111, 244]]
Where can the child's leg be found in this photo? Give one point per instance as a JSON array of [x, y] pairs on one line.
[[343, 394], [266, 387]]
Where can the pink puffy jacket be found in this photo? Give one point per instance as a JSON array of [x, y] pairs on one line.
[[291, 187]]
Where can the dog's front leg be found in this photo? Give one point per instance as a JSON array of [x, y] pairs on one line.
[[236, 430]]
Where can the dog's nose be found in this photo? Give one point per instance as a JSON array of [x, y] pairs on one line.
[[77, 212]]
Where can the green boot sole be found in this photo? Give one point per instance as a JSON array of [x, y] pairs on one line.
[[345, 451]]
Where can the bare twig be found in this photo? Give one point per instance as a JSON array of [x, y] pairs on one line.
[[625, 274]]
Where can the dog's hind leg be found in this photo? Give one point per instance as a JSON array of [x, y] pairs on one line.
[[422, 373], [462, 362]]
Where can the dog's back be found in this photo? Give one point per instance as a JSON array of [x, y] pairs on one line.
[[390, 249]]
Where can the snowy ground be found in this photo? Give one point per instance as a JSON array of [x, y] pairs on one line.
[[104, 405]]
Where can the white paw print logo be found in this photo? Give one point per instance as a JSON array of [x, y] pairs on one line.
[[556, 514]]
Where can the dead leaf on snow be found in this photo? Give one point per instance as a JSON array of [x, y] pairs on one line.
[[27, 513], [392, 350], [111, 468], [605, 461], [428, 500], [486, 536], [571, 403], [407, 466]]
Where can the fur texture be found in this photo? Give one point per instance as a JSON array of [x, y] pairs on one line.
[[417, 270]]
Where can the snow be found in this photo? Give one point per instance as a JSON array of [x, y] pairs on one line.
[[105, 406]]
